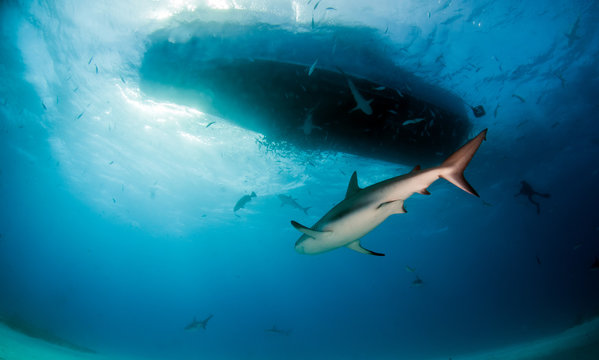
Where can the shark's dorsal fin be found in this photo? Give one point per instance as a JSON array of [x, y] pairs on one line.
[[356, 246], [353, 187], [306, 230]]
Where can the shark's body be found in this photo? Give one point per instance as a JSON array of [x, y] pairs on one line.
[[194, 324], [362, 210], [288, 200]]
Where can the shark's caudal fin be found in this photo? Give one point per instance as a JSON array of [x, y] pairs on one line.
[[453, 167]]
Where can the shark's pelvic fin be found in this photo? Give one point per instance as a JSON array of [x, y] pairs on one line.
[[356, 246], [353, 187], [306, 230], [453, 168], [395, 207]]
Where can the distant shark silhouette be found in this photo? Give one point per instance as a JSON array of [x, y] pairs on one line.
[[361, 103], [417, 282], [362, 210], [244, 200], [288, 200], [528, 191], [194, 324], [572, 36], [278, 331]]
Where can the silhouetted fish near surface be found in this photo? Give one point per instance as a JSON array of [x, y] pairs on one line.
[[244, 200], [288, 200]]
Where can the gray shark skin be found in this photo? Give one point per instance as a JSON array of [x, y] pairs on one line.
[[194, 324], [362, 210]]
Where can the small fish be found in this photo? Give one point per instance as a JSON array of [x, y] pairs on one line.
[[122, 79], [330, 8], [555, 124], [495, 112], [80, 115], [399, 93], [412, 121], [538, 260], [96, 69], [210, 123], [90, 60], [75, 89], [110, 163], [519, 97], [114, 200], [380, 88], [317, 3], [487, 204], [311, 70], [44, 106], [410, 269]]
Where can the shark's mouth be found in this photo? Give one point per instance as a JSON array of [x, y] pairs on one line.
[[295, 86]]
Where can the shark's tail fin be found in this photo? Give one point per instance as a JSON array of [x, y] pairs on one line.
[[453, 167]]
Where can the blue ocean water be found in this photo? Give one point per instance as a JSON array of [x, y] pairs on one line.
[[117, 225]]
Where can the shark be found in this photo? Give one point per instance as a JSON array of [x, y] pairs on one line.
[[363, 209], [361, 103], [288, 200], [275, 330], [572, 36], [194, 324], [308, 125]]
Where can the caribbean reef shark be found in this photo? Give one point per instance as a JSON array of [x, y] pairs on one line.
[[194, 324], [362, 210]]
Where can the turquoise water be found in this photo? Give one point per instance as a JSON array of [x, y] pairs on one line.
[[117, 223]]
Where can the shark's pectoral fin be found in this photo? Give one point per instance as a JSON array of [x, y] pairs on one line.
[[353, 187], [393, 207], [356, 246], [306, 230]]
